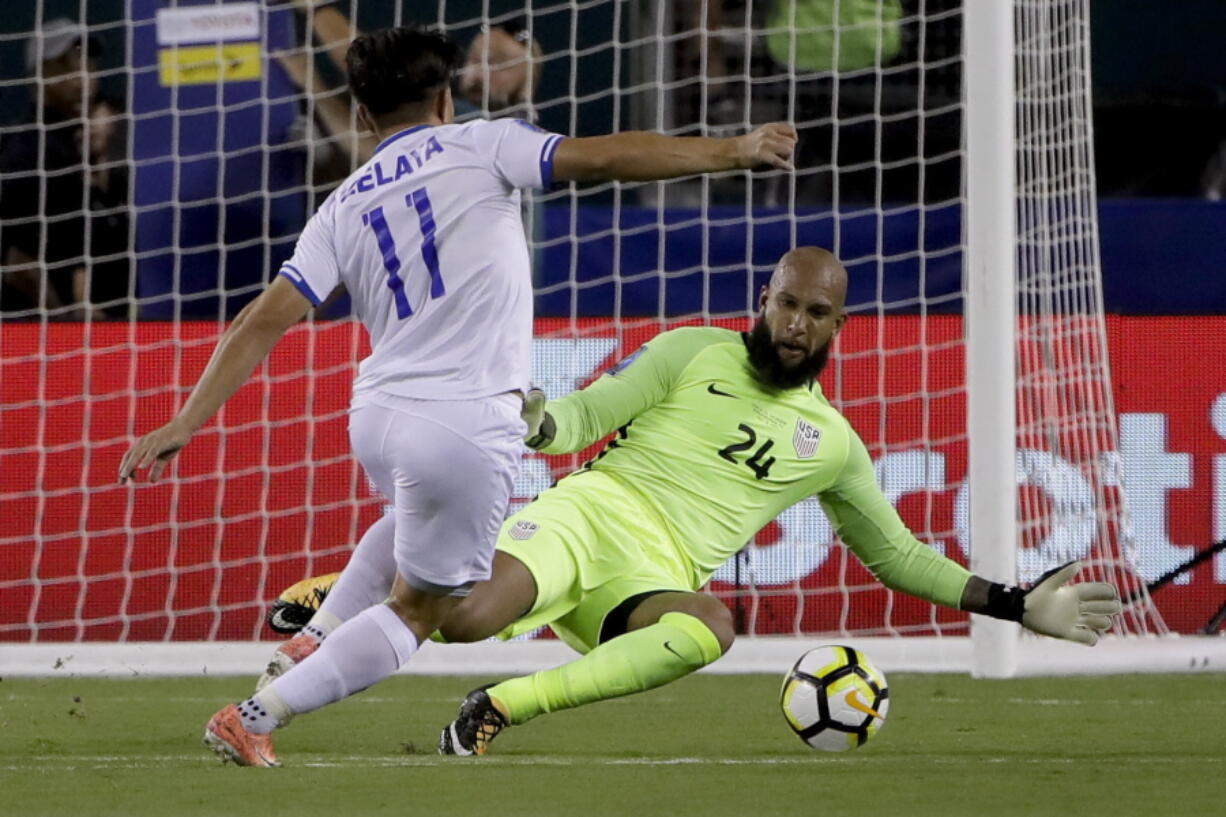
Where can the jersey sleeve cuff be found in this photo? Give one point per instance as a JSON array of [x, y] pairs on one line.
[[294, 276], [547, 150]]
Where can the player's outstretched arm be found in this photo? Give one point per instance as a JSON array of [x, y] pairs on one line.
[[1075, 612], [244, 345], [641, 156]]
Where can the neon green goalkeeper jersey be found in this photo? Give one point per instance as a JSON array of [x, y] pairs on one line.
[[714, 456]]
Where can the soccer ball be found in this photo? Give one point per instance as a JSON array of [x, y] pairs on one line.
[[834, 698]]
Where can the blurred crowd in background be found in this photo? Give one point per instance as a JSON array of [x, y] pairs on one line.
[[878, 107]]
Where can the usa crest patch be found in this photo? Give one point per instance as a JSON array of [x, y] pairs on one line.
[[523, 529], [805, 439]]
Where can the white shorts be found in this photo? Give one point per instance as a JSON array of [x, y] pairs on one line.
[[447, 468]]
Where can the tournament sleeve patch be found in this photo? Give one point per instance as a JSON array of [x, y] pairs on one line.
[[622, 364]]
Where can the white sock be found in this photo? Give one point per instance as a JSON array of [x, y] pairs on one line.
[[365, 581], [321, 625], [363, 651], [263, 716]]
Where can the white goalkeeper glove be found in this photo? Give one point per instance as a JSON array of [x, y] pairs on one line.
[[540, 424], [1076, 612]]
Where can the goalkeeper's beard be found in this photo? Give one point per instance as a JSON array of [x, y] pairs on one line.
[[770, 368]]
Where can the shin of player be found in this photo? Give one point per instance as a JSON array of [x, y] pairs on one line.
[[365, 581], [647, 640]]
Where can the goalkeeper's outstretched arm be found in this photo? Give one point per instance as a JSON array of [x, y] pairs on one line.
[[582, 417], [870, 526], [630, 388]]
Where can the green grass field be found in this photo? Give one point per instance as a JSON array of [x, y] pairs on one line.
[[709, 745]]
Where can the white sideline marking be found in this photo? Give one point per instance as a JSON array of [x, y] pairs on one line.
[[1080, 701], [435, 761], [1116, 701], [221, 700], [392, 762], [768, 654], [365, 761]]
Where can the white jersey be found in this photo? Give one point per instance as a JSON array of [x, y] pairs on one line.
[[428, 239]]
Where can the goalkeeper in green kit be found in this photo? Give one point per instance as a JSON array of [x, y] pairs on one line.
[[717, 433]]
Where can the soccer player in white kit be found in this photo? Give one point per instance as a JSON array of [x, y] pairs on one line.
[[428, 240]]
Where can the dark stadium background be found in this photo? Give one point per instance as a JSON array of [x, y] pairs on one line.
[[1160, 114]]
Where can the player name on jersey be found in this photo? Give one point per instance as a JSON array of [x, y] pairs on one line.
[[392, 169]]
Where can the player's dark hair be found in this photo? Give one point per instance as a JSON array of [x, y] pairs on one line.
[[399, 67]]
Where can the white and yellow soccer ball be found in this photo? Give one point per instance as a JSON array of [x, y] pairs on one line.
[[834, 699]]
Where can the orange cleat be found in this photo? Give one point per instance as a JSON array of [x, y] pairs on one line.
[[226, 735], [287, 655]]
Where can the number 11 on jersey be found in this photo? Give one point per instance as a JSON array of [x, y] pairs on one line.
[[420, 202]]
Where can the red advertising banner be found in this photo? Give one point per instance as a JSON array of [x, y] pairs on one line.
[[268, 492]]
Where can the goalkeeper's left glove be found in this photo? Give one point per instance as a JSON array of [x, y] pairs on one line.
[[541, 428], [1075, 612]]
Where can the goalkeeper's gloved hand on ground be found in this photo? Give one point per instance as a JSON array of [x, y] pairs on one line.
[[1075, 612], [541, 429]]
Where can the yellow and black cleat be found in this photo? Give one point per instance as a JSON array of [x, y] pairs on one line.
[[298, 602], [476, 725]]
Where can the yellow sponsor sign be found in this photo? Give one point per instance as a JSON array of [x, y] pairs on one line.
[[204, 64]]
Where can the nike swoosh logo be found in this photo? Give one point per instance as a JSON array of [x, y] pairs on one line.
[[278, 619], [668, 646], [711, 388], [853, 700]]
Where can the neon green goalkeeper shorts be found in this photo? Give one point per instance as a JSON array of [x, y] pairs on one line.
[[590, 546]]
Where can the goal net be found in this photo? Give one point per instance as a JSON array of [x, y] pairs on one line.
[[223, 124]]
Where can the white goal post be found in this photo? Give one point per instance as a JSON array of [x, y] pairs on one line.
[[1034, 320], [946, 157], [991, 316]]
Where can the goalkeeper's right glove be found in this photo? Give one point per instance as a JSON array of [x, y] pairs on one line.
[[541, 428], [1075, 612], [297, 603]]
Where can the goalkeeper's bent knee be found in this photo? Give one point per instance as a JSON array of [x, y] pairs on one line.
[[703, 645]]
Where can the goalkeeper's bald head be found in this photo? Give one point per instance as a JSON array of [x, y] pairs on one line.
[[802, 309]]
